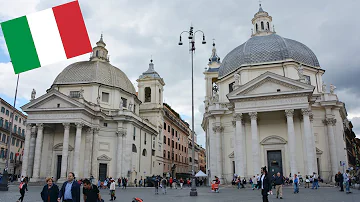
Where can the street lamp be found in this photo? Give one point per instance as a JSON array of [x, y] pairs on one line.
[[191, 38]]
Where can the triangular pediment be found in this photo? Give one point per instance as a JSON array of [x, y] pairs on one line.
[[104, 158], [318, 151], [270, 84], [231, 155], [51, 100]]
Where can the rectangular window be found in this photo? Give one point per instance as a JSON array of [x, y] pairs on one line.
[[164, 139], [172, 132], [19, 120], [1, 122], [307, 79], [15, 128], [134, 108], [7, 112], [153, 152], [75, 94], [6, 124], [172, 143], [164, 126], [175, 133], [105, 97], [16, 117], [13, 141], [145, 139], [17, 142], [105, 124], [134, 134], [21, 144], [3, 109], [124, 102], [231, 87], [3, 138], [169, 141]]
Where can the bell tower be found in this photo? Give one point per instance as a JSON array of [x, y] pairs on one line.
[[262, 22], [100, 53]]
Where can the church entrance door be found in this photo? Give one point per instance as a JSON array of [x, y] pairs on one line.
[[102, 171], [274, 162], [58, 166]]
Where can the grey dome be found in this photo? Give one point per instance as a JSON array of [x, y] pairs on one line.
[[269, 48], [95, 72]]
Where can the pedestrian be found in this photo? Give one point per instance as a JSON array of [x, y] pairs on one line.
[[22, 188], [181, 183], [296, 184], [156, 185], [50, 191], [91, 192], [22, 178], [135, 182], [170, 182], [70, 190], [119, 182], [307, 182], [265, 184], [341, 181], [279, 182], [112, 189], [258, 185], [315, 181], [347, 181], [163, 184]]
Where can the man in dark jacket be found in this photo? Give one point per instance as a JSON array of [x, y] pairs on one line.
[[265, 184], [341, 181], [70, 190], [279, 182]]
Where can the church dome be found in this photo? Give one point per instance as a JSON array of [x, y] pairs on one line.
[[100, 72], [268, 48]]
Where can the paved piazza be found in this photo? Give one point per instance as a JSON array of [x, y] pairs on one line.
[[328, 194]]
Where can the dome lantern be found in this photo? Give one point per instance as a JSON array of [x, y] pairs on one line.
[[262, 22], [214, 60], [100, 53]]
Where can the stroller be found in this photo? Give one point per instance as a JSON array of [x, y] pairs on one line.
[[137, 200]]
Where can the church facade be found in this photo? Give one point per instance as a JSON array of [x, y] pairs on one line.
[[92, 122], [267, 105]]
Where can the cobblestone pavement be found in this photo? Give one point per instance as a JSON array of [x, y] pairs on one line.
[[328, 194]]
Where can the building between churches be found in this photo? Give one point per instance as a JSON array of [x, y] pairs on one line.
[[267, 105], [92, 122]]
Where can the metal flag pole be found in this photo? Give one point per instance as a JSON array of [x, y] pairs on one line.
[[5, 178]]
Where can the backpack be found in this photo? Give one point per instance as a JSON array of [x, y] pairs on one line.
[[21, 185]]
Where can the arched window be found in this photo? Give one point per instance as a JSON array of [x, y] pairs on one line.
[[190, 159], [164, 154], [134, 148], [262, 25], [159, 96], [169, 141], [97, 53], [144, 153], [257, 28], [168, 154], [175, 157], [268, 26], [147, 94]]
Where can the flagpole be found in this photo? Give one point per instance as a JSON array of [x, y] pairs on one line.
[[10, 135]]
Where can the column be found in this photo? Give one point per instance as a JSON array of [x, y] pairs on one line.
[[307, 141], [244, 148], [88, 151], [77, 148], [239, 145], [313, 145], [291, 139], [49, 161], [330, 122], [212, 150], [32, 151], [37, 158], [255, 143], [24, 167], [119, 152], [94, 163], [65, 152], [218, 154]]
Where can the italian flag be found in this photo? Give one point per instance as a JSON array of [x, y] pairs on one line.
[[46, 37]]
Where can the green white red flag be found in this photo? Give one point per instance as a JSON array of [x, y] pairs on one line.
[[46, 37]]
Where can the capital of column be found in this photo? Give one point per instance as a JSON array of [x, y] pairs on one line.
[[217, 129], [96, 130], [329, 121], [28, 126], [253, 115], [121, 132], [66, 126], [40, 126], [289, 112], [79, 125], [305, 112], [237, 116], [89, 130]]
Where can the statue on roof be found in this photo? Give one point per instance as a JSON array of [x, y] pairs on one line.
[[323, 87], [33, 94], [332, 88]]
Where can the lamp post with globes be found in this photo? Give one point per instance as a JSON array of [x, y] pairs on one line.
[[191, 38]]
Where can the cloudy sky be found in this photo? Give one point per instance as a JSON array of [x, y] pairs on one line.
[[136, 29]]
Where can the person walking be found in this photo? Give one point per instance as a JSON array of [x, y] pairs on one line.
[[307, 182], [346, 177], [315, 181], [341, 181], [170, 183], [70, 190], [296, 184], [112, 189], [163, 184], [119, 182], [181, 183], [22, 188], [91, 192], [50, 191], [265, 184], [279, 182], [156, 185]]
